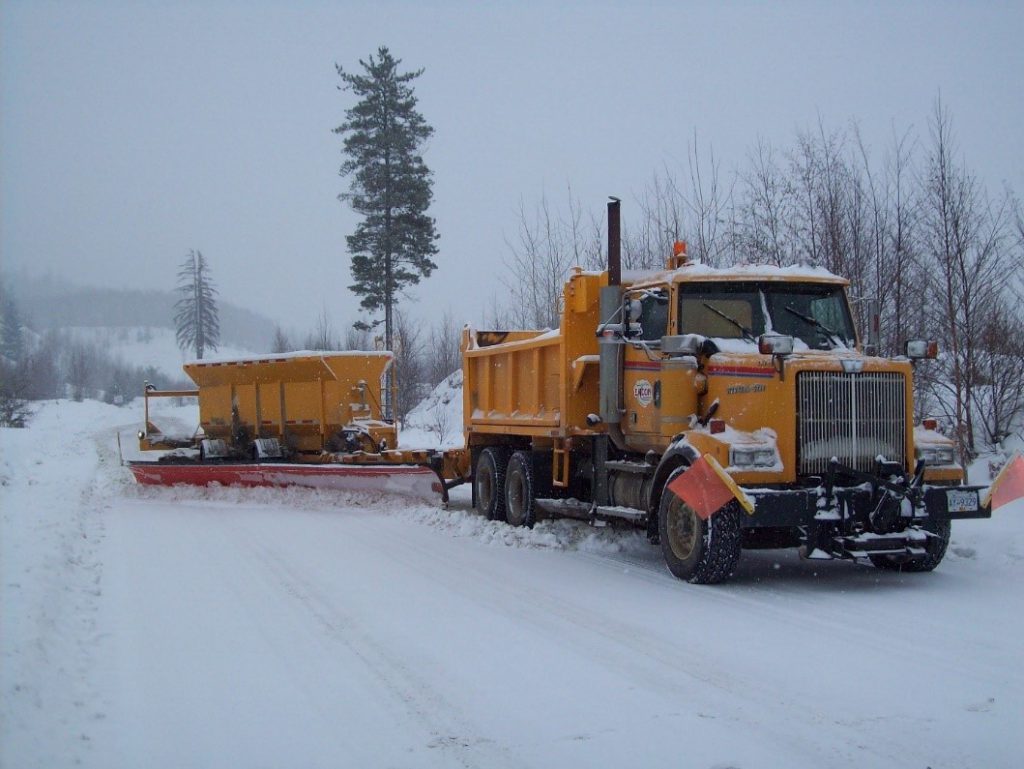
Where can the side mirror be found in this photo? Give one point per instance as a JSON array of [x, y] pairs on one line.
[[775, 344], [685, 344]]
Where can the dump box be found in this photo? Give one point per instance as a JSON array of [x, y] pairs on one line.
[[541, 384]]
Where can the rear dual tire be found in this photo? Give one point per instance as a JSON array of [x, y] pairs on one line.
[[506, 486], [520, 491], [489, 482]]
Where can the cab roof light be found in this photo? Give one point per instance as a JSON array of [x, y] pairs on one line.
[[916, 349]]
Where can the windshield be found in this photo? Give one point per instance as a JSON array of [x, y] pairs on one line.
[[814, 313]]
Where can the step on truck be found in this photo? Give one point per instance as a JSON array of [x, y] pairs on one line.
[[756, 371]]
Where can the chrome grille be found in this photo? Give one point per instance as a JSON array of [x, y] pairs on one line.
[[853, 417]]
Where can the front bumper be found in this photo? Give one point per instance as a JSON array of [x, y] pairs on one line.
[[853, 505]]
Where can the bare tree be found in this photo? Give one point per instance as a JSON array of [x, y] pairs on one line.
[[443, 354], [997, 395], [81, 364], [708, 204], [357, 339], [408, 365], [322, 337], [966, 245], [538, 263], [766, 209], [281, 342], [440, 420]]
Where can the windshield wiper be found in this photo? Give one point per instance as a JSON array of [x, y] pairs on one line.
[[747, 333], [831, 336]]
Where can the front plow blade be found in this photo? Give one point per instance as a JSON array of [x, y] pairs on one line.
[[414, 481]]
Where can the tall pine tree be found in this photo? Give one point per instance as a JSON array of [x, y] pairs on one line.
[[390, 186], [196, 318]]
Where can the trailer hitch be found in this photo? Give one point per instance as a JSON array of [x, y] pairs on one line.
[[892, 490]]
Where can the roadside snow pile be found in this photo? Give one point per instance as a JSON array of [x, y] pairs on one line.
[[564, 534], [56, 478], [437, 421]]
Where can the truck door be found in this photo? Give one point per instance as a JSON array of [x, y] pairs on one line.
[[642, 366]]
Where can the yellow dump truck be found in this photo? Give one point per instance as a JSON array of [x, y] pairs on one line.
[[756, 371]]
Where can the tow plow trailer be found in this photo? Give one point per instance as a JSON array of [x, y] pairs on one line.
[[309, 419]]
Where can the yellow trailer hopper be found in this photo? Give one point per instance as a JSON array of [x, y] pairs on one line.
[[309, 401]]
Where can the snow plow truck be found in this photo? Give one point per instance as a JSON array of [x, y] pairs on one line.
[[717, 409]]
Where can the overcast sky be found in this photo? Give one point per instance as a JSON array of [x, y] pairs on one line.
[[130, 133]]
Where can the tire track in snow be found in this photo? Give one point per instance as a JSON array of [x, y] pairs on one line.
[[825, 607], [453, 734], [639, 656]]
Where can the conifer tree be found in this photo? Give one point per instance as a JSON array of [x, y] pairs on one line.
[[390, 186], [12, 344], [196, 318]]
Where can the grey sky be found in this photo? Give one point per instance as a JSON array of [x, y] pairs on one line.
[[130, 133]]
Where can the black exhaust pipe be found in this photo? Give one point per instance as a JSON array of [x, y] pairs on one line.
[[610, 347], [614, 243]]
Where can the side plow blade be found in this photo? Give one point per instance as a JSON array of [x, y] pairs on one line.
[[415, 481]]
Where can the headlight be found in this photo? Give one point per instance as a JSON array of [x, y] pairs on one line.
[[937, 455], [751, 457]]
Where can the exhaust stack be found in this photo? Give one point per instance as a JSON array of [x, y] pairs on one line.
[[610, 346], [614, 243]]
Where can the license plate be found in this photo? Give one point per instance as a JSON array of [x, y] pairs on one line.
[[961, 501]]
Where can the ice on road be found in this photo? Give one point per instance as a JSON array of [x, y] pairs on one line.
[[268, 628]]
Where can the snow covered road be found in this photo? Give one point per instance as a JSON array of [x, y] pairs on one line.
[[262, 628]]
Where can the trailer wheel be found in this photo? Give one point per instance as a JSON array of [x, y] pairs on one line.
[[701, 552], [935, 551], [519, 491], [489, 482]]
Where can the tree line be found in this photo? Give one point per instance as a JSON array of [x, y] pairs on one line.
[[57, 363]]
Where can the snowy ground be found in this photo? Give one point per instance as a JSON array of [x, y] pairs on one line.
[[228, 628]]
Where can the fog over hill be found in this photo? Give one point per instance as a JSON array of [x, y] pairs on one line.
[[53, 303]]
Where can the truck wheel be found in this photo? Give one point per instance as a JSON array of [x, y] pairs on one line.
[[935, 551], [701, 552], [519, 490], [489, 482]]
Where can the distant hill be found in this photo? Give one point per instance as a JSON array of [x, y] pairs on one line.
[[148, 346], [50, 303]]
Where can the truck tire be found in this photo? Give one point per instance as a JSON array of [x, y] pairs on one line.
[[700, 552], [489, 482], [519, 491], [935, 551]]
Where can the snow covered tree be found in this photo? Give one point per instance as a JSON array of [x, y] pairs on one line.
[[196, 319], [390, 186], [12, 345], [14, 407]]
